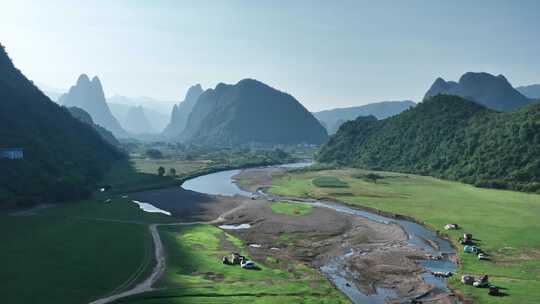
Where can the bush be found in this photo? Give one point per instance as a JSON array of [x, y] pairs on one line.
[[329, 182]]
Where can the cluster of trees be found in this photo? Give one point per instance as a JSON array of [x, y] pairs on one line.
[[448, 137], [161, 171], [63, 157]]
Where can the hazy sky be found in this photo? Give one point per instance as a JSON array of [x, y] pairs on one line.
[[325, 53]]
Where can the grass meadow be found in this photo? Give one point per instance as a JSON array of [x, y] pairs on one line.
[[505, 223]]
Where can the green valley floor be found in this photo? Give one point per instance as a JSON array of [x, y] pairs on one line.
[[504, 223]]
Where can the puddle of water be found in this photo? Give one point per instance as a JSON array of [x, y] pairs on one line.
[[146, 207], [219, 183], [235, 227]]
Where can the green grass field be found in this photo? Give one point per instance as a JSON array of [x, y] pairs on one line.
[[126, 177], [73, 253], [182, 167], [506, 223], [76, 252], [195, 274], [294, 209]]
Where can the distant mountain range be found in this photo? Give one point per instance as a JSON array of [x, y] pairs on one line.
[[156, 112], [180, 113], [152, 120], [89, 96], [333, 119], [450, 137], [250, 112], [63, 157], [494, 92], [531, 91]]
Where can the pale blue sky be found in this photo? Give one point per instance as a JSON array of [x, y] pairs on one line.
[[325, 53]]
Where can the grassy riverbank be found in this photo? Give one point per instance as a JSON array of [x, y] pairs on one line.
[[195, 274], [504, 222]]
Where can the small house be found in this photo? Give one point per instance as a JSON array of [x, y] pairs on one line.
[[11, 153]]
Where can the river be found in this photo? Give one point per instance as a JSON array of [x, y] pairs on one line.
[[222, 183]]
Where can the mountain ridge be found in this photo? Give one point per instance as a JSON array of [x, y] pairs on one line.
[[89, 95], [494, 92], [334, 118], [250, 112]]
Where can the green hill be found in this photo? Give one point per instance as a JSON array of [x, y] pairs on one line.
[[450, 137], [83, 116], [63, 157]]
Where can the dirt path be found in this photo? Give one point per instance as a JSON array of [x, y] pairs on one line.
[[145, 285], [159, 256]]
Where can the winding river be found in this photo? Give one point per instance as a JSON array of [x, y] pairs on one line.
[[222, 183]]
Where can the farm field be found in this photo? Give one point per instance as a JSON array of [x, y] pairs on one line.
[[504, 223]]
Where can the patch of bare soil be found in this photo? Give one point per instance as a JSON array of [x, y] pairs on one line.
[[380, 256]]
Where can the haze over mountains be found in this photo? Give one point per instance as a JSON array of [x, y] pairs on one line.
[[180, 113], [250, 112], [157, 112], [333, 119], [531, 91], [494, 92], [63, 157], [89, 96]]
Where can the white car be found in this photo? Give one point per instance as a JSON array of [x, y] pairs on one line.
[[247, 265]]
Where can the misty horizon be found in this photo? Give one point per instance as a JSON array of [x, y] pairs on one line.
[[325, 55]]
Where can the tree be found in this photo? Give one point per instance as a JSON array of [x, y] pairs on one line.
[[154, 153], [161, 171], [172, 172]]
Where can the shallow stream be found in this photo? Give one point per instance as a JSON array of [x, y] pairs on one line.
[[222, 183]]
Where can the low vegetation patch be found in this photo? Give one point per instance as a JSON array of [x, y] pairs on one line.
[[294, 209], [369, 177], [195, 273], [329, 182]]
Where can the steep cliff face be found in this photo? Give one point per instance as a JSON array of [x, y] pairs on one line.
[[180, 113], [88, 95]]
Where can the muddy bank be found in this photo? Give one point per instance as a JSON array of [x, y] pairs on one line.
[[378, 255], [188, 205]]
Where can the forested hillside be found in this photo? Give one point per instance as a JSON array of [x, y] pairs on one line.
[[450, 137], [83, 116], [63, 157]]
